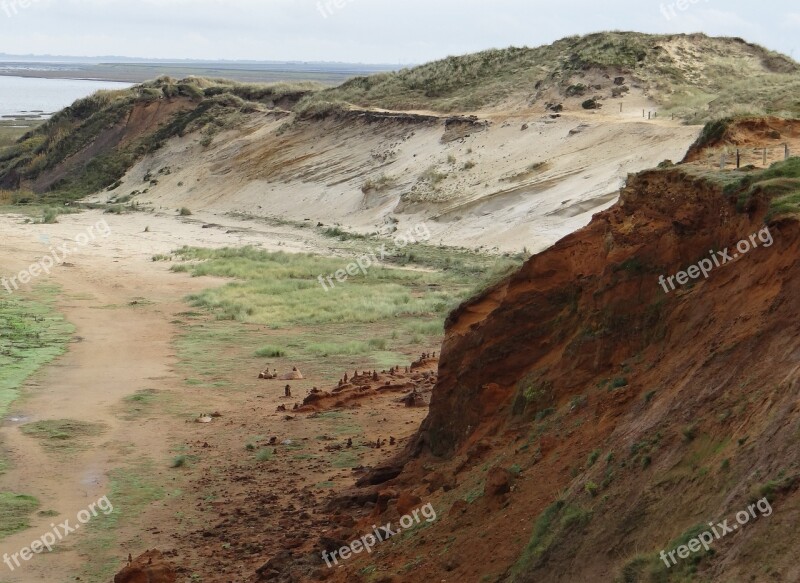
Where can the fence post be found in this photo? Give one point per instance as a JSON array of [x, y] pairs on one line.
[[765, 156], [738, 159]]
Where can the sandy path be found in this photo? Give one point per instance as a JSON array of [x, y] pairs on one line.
[[121, 349]]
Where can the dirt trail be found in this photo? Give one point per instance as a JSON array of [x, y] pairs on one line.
[[122, 345]]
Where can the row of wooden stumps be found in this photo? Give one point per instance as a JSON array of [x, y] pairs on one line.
[[724, 159], [647, 114]]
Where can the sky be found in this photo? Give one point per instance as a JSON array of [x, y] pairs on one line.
[[365, 31]]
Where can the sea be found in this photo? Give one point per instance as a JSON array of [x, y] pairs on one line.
[[35, 98]]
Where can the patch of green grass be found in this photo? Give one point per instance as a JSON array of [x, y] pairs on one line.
[[771, 489], [63, 435], [351, 348], [573, 516], [685, 568], [270, 351], [283, 290], [32, 334], [15, 512], [779, 185], [131, 490], [346, 459], [541, 538], [264, 455], [140, 402]]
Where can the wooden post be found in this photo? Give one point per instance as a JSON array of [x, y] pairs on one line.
[[642, 113], [648, 115], [620, 108], [738, 159], [765, 156], [722, 162]]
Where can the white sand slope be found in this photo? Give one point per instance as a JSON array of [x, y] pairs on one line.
[[502, 187]]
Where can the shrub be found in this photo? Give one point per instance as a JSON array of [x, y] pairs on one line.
[[433, 176], [185, 212], [270, 351], [618, 383], [50, 216], [179, 461], [576, 90]]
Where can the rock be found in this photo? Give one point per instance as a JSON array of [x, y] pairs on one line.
[[379, 475], [407, 502], [593, 103], [498, 482], [384, 497], [276, 566], [151, 567], [295, 375], [459, 507], [435, 482]]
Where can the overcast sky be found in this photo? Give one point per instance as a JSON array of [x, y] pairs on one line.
[[367, 31]]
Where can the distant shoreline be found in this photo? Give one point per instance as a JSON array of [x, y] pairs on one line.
[[327, 74], [56, 75]]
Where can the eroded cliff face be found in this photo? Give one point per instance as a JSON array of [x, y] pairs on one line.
[[688, 397], [580, 310]]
